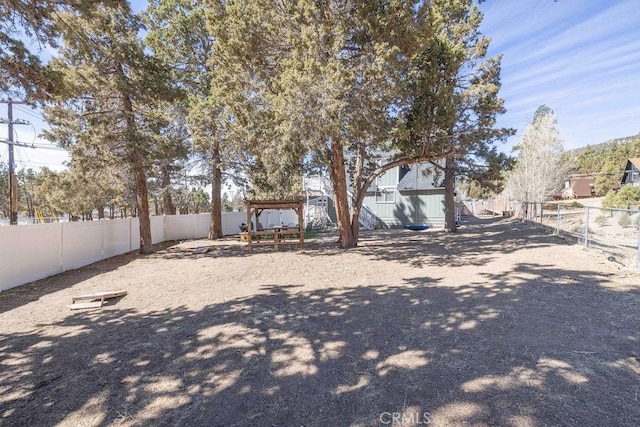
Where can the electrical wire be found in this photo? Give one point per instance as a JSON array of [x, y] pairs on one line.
[[36, 115], [17, 156], [48, 147], [19, 138], [32, 162]]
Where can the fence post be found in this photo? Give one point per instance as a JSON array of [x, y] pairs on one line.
[[638, 256], [541, 209], [558, 220], [61, 246], [586, 228], [101, 239]]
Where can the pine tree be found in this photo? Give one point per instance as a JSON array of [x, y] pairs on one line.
[[179, 34], [330, 79], [454, 100], [99, 108], [24, 24]]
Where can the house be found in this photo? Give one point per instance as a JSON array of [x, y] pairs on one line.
[[632, 172], [578, 186], [408, 195]]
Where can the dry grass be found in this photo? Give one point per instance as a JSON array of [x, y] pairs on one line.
[[496, 325]]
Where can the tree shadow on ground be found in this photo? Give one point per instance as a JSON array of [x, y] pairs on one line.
[[474, 244], [540, 346]]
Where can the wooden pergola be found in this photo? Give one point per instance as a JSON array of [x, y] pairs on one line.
[[276, 235]]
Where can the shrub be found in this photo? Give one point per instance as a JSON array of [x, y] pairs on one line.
[[610, 200], [628, 197], [601, 220], [624, 221]]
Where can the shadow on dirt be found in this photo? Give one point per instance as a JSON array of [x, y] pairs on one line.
[[477, 242], [538, 346]]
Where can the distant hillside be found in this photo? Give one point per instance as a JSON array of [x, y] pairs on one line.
[[605, 145]]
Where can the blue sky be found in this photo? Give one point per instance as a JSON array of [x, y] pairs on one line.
[[581, 58]]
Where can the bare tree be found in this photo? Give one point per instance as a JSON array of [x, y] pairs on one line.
[[539, 170]]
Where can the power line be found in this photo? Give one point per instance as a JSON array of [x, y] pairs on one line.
[[32, 162], [48, 147], [35, 115]]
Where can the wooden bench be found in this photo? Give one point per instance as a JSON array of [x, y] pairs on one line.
[[290, 236]]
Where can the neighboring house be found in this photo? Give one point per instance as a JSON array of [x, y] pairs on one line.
[[632, 172], [579, 186], [408, 195]]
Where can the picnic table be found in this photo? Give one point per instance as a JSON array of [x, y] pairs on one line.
[[274, 235]]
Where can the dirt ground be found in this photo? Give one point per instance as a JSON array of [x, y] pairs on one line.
[[495, 325]]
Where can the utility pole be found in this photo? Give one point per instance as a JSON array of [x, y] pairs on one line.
[[13, 181]]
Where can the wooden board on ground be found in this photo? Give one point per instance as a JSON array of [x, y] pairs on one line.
[[96, 299], [79, 305]]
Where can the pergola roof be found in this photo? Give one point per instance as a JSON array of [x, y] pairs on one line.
[[274, 204]]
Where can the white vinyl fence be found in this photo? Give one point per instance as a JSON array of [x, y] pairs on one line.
[[32, 252]]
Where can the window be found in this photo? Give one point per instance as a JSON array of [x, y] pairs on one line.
[[385, 195], [402, 171]]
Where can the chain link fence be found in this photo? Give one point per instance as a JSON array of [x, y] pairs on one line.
[[616, 232]]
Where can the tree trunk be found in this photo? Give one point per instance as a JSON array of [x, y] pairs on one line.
[[358, 189], [30, 208], [167, 204], [146, 247], [215, 228], [449, 195], [339, 180], [137, 166]]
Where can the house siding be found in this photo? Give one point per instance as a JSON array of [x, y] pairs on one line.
[[388, 179], [417, 207]]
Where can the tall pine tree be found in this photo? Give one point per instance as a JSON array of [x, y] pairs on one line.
[[99, 110], [332, 79]]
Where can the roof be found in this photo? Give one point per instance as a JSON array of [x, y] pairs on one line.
[[575, 176], [274, 204], [583, 186], [631, 172], [420, 176]]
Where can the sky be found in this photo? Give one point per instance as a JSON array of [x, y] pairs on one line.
[[581, 58]]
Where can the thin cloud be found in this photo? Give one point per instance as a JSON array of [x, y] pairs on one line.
[[579, 58]]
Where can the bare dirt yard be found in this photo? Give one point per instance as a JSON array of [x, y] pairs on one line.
[[498, 324]]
